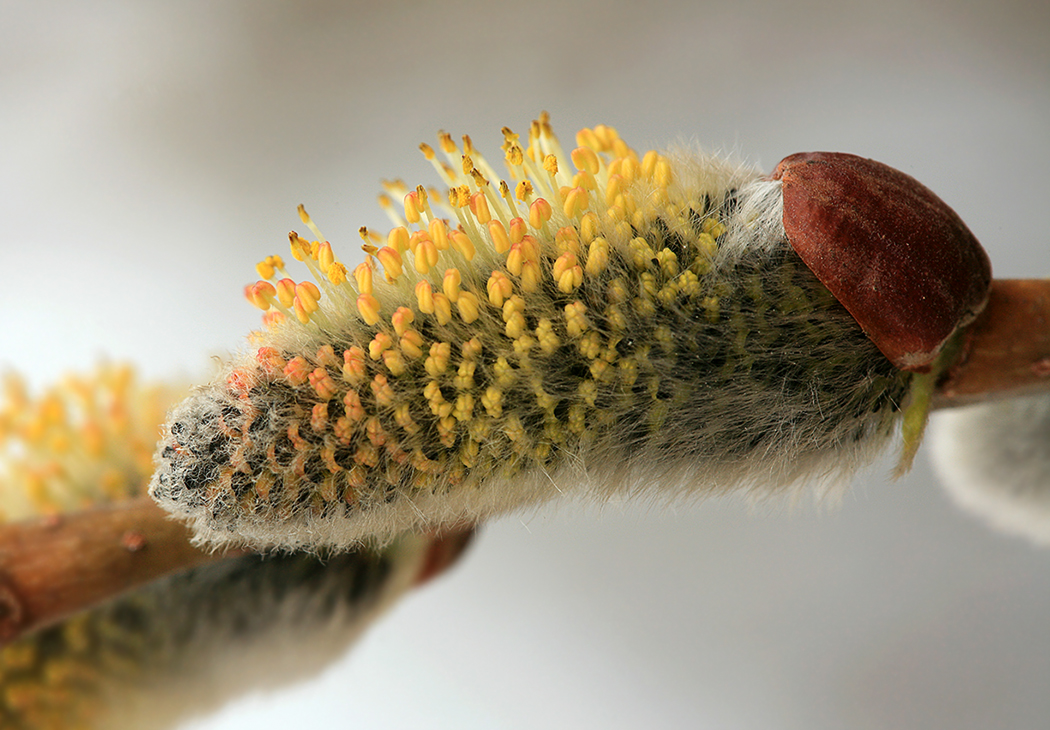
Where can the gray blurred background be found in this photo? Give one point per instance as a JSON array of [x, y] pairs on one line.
[[153, 152]]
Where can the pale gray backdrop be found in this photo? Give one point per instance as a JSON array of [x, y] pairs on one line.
[[153, 152]]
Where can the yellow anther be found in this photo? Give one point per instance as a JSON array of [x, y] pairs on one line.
[[568, 273], [546, 336], [530, 248], [576, 201], [427, 150], [425, 297], [663, 174], [515, 156], [498, 234], [462, 244], [402, 318], [517, 230], [585, 158], [464, 407], [642, 254], [479, 206], [713, 226], [504, 372], [322, 383], [450, 284], [266, 267], [336, 273], [367, 455], [307, 294], [354, 364], [622, 151], [567, 239], [297, 370], [325, 257], [397, 239], [391, 261], [464, 379], [468, 145], [576, 318], [590, 345], [523, 346], [585, 180], [539, 213], [515, 259], [439, 234], [326, 356], [355, 410], [649, 160], [447, 145], [403, 418], [631, 169], [515, 322], [368, 307], [416, 238], [668, 262], [411, 344], [260, 293], [524, 190], [531, 276], [499, 287], [587, 138], [550, 164], [588, 390], [607, 136], [300, 247], [471, 348], [412, 208], [705, 243], [363, 276], [437, 361], [381, 389], [270, 360], [613, 188], [589, 227], [423, 197], [379, 344], [442, 308], [468, 305], [285, 292], [459, 197], [492, 400], [597, 256], [394, 362], [446, 429], [426, 256]]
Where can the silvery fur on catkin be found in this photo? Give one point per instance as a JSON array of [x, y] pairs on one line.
[[757, 380]]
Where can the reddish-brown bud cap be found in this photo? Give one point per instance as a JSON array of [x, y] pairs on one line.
[[894, 254]]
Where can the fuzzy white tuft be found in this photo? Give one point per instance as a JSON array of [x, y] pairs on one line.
[[994, 460]]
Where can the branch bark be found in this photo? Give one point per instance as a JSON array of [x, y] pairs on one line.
[[1006, 352], [53, 567]]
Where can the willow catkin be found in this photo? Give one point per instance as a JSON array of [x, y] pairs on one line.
[[612, 324]]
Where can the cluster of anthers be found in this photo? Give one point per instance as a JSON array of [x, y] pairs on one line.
[[492, 218], [86, 441]]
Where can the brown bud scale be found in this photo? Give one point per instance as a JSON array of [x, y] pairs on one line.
[[894, 254]]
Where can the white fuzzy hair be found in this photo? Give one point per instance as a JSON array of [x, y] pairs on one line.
[[994, 460]]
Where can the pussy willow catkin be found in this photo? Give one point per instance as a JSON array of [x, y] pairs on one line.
[[188, 642], [606, 323]]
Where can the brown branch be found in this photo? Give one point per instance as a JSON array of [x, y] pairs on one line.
[[56, 566], [1006, 352]]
